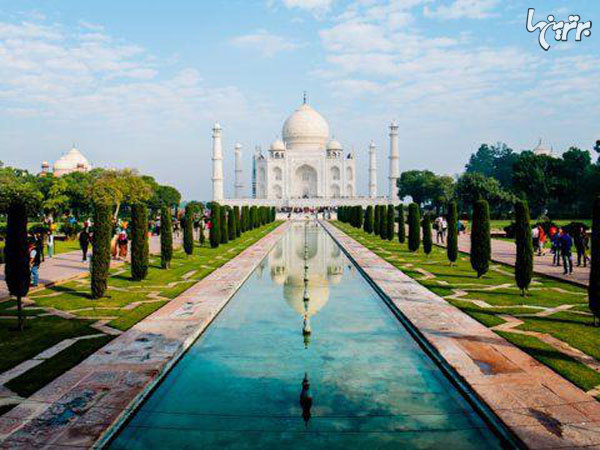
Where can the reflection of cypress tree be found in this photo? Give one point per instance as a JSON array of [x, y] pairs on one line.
[[101, 249], [524, 261], [391, 218], [401, 226], [238, 221], [215, 225], [594, 287], [377, 220], [414, 228], [188, 231], [427, 242], [452, 239], [480, 238], [139, 241], [369, 220], [223, 224], [17, 269]]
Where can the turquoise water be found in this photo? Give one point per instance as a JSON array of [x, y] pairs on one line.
[[255, 379]]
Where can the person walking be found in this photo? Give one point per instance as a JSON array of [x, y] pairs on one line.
[[556, 249], [122, 243], [35, 261], [542, 240], [566, 243], [535, 237], [581, 243], [84, 243], [437, 224], [50, 245]]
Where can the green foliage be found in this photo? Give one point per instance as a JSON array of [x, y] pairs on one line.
[[524, 261], [414, 227], [166, 237], [368, 227], [253, 217], [215, 228], [474, 186], [481, 250], [594, 286], [427, 242], [494, 161], [383, 222], [425, 187], [244, 219], [238, 221], [16, 188], [391, 221], [188, 230], [377, 220], [223, 224], [401, 225], [452, 238], [231, 233], [139, 241], [70, 230], [360, 215], [100, 263]]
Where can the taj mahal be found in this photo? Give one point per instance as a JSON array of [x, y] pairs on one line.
[[306, 167]]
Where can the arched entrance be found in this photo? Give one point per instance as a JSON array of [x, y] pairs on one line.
[[305, 181]]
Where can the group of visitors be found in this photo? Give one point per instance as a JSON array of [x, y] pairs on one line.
[[562, 244], [440, 225]]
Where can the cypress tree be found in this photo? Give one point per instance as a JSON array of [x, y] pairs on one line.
[[391, 218], [100, 263], [188, 231], [524, 261], [202, 237], [383, 222], [452, 239], [238, 221], [360, 215], [480, 238], [377, 220], [252, 217], [139, 241], [401, 225], [223, 225], [231, 224], [427, 241], [244, 219], [594, 286], [369, 220], [273, 214], [414, 228], [17, 269], [215, 225]]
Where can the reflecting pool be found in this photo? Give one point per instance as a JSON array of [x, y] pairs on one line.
[[306, 355]]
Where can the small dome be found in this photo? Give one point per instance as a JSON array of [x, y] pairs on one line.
[[540, 149], [334, 145], [72, 160], [305, 127], [45, 164], [277, 145]]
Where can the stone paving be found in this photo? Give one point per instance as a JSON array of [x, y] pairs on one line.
[[80, 406], [543, 409], [67, 266]]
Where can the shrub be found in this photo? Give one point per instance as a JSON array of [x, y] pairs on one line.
[[594, 286], [231, 233], [70, 230], [427, 242], [377, 220], [238, 221], [414, 227], [368, 227], [215, 225], [452, 239], [524, 261], [139, 241], [360, 215], [383, 228], [100, 264], [17, 270], [188, 231], [401, 226], [223, 224], [166, 237], [391, 218], [244, 219], [481, 251]]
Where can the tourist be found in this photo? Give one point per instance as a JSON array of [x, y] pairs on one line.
[[555, 239], [84, 243], [444, 228], [581, 241], [122, 242], [535, 237], [542, 240], [50, 245], [157, 226], [35, 260], [39, 245], [437, 226], [566, 243]]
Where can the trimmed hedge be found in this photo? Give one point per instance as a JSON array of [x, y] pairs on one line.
[[100, 264], [215, 225], [427, 242], [481, 246], [524, 261], [139, 241], [414, 227], [166, 237], [452, 239]]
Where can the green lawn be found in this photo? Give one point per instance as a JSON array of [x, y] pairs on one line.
[[68, 245], [117, 306], [576, 329], [498, 225]]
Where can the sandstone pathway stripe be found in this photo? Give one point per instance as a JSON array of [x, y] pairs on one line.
[[78, 408], [543, 409]]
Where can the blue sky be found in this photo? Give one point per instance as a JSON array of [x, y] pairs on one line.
[[139, 83]]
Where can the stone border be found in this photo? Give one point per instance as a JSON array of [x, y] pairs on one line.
[[542, 409], [85, 406]]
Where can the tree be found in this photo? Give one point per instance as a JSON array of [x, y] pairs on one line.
[[533, 179], [594, 286], [377, 220], [414, 228], [391, 219], [139, 241], [524, 261], [401, 226], [253, 220], [360, 214], [471, 187], [427, 242], [114, 187], [215, 225], [166, 237], [17, 269], [452, 239], [223, 224], [383, 222], [495, 161], [368, 227], [188, 231], [231, 233], [481, 250], [244, 220], [100, 264], [238, 221], [425, 187]]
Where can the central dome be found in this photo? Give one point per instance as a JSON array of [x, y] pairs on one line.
[[305, 128]]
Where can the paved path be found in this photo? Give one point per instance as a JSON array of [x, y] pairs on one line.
[[77, 408], [505, 252], [66, 266], [543, 409]]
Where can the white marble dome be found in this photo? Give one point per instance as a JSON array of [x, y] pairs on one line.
[[71, 161], [305, 128], [278, 145], [334, 145]]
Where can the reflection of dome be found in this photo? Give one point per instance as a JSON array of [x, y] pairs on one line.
[[305, 127], [318, 292], [278, 274], [334, 274]]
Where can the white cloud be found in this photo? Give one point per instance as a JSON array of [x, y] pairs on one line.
[[315, 6], [458, 9], [266, 43]]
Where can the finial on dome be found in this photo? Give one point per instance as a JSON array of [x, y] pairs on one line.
[[305, 98]]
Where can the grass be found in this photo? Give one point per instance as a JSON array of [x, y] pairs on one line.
[[574, 329], [498, 225], [159, 287], [64, 246]]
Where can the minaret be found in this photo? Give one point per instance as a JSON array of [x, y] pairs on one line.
[[372, 170], [217, 159], [394, 163], [239, 184]]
